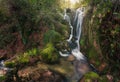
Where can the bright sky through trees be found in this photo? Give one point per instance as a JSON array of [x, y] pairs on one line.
[[74, 1]]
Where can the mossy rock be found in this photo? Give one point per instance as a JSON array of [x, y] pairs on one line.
[[90, 76]]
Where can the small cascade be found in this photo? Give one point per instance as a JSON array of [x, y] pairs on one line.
[[67, 18], [81, 64], [3, 69]]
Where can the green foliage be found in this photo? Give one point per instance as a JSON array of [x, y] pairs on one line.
[[85, 2], [49, 54], [5, 39], [104, 79], [49, 48], [2, 78], [23, 58], [100, 7], [33, 52], [102, 10], [51, 36], [105, 28], [82, 42], [91, 76], [109, 37], [4, 9], [26, 15], [3, 17], [92, 53], [10, 64]]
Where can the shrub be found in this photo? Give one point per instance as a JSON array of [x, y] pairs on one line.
[[33, 52], [49, 54], [10, 64], [51, 36], [90, 76], [2, 78], [23, 58]]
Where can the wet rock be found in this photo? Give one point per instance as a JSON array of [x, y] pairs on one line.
[[3, 72], [71, 58], [39, 73], [40, 76]]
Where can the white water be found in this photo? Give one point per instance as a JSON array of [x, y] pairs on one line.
[[67, 18], [81, 65], [77, 26], [2, 66]]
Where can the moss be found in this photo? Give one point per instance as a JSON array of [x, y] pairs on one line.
[[103, 79], [23, 58], [49, 54], [90, 76], [92, 53], [51, 36], [82, 42], [10, 64], [33, 52], [2, 78]]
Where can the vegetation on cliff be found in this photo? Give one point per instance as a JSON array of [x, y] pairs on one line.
[[33, 31]]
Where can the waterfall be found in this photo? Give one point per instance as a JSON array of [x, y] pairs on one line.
[[81, 65], [77, 26], [67, 18]]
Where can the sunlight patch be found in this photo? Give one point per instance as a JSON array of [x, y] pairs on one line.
[[74, 1]]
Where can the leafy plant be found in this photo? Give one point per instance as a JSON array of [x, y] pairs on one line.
[[33, 52], [10, 64], [51, 36], [90, 76], [23, 58], [2, 78], [49, 54]]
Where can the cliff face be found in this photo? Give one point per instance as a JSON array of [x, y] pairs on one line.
[[100, 36], [90, 39]]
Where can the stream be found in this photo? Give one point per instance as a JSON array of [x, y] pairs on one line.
[[81, 64]]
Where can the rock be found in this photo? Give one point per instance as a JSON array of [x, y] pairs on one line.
[[71, 58], [33, 60], [3, 72], [40, 76], [109, 77], [102, 66]]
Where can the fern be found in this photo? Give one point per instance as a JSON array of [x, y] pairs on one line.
[[49, 54], [51, 36]]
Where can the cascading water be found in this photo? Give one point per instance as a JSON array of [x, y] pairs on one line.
[[81, 64], [77, 26], [67, 18]]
